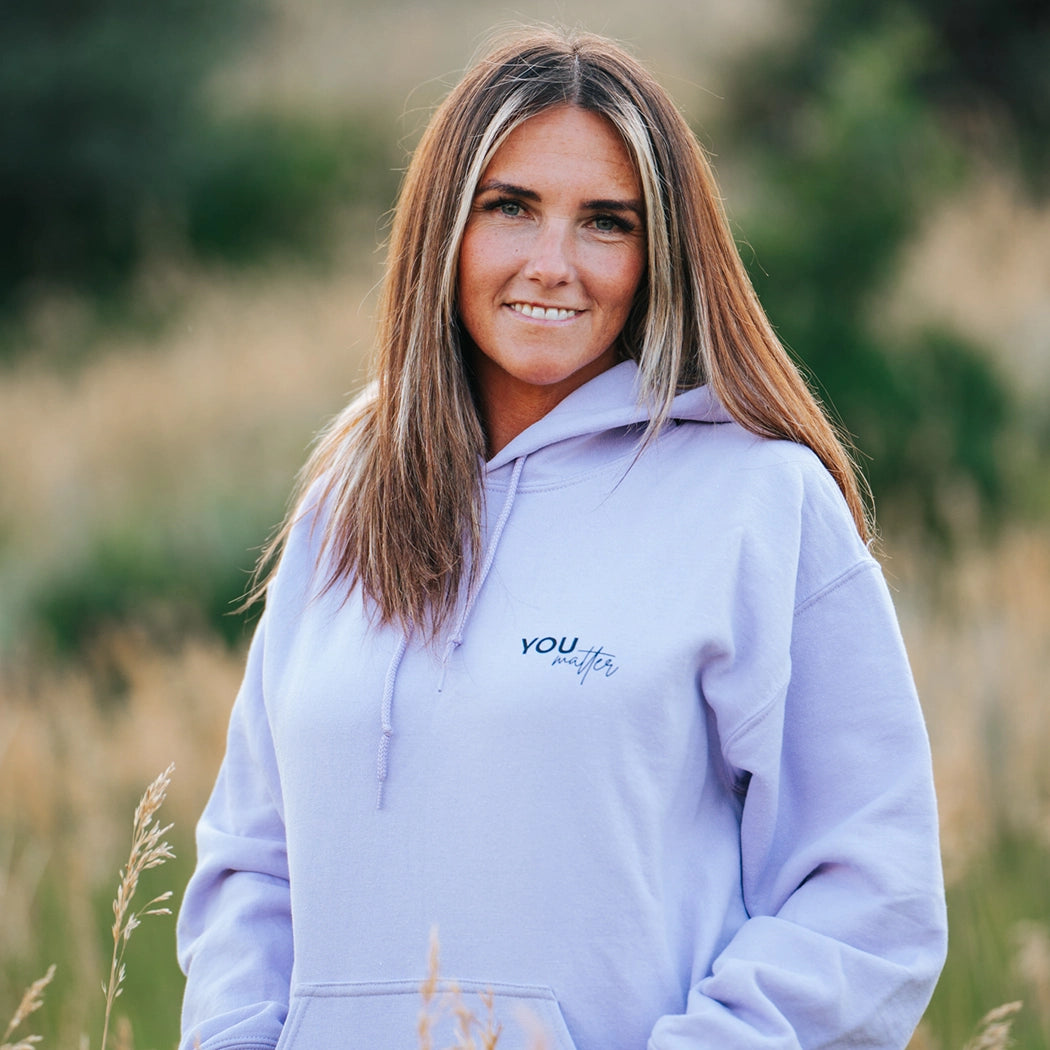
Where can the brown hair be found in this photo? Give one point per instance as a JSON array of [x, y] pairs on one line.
[[399, 468]]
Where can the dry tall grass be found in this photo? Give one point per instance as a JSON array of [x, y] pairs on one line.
[[149, 429], [148, 851], [993, 1031], [32, 1000], [69, 772], [68, 765], [979, 641], [471, 1032]]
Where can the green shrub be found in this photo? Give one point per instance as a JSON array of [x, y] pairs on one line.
[[107, 143]]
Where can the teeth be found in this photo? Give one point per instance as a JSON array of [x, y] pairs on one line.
[[549, 313]]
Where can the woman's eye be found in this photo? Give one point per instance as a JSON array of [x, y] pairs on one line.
[[510, 208], [612, 224]]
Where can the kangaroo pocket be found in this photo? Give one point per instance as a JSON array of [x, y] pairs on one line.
[[385, 1015]]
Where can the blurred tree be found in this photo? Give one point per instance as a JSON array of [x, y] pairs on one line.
[[992, 75], [98, 100], [106, 137], [851, 132]]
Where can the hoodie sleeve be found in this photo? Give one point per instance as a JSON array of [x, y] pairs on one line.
[[839, 849], [234, 929]]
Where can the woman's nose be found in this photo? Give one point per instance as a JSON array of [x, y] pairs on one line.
[[551, 258]]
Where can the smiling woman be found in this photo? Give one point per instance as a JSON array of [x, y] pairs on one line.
[[574, 646], [549, 267]]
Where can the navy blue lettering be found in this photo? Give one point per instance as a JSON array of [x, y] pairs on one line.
[[582, 661], [589, 660]]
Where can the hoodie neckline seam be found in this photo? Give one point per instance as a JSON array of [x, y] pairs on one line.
[[609, 466]]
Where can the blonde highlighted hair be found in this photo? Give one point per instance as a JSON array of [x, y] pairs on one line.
[[399, 469]]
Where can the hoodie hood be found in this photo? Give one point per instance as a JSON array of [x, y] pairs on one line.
[[610, 401]]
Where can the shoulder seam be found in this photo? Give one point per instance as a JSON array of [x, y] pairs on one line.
[[863, 565], [807, 603], [754, 718]]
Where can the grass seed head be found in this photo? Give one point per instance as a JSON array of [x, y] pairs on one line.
[[993, 1030], [148, 850], [32, 1000]]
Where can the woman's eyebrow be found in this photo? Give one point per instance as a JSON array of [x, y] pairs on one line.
[[614, 205], [494, 185]]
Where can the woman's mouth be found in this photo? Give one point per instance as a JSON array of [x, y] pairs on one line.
[[543, 313]]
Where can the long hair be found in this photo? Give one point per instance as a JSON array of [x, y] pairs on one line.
[[399, 470]]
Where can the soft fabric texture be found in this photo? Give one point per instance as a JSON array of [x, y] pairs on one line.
[[666, 784]]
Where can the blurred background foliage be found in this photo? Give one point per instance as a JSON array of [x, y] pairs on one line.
[[188, 260], [853, 133], [109, 145], [838, 138]]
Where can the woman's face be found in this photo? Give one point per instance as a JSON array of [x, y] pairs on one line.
[[550, 262]]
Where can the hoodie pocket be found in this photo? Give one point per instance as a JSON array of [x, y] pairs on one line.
[[385, 1015]]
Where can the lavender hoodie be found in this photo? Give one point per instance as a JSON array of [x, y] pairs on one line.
[[666, 784]]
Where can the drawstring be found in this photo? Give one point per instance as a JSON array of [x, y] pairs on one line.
[[456, 640], [382, 762], [388, 728]]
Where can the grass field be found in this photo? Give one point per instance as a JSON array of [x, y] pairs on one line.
[[71, 769]]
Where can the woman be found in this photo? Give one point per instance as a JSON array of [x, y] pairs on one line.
[[580, 590]]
